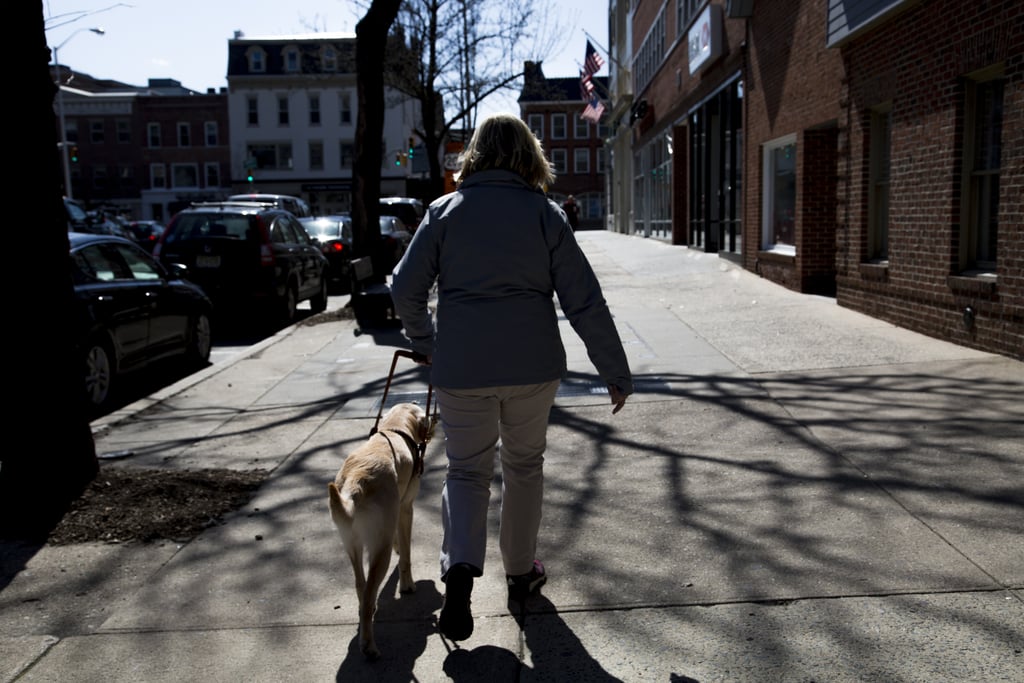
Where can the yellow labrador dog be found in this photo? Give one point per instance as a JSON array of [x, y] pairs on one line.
[[371, 504]]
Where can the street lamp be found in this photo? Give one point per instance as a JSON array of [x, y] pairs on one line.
[[60, 108]]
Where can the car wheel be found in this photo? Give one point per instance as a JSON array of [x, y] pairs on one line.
[[289, 303], [318, 304], [200, 340], [99, 374]]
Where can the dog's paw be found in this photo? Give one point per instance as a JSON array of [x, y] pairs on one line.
[[370, 651]]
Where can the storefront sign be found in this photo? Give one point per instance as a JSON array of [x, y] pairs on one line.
[[704, 38]]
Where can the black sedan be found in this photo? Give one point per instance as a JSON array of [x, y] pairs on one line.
[[334, 233], [130, 312]]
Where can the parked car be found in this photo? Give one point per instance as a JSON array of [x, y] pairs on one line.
[[146, 233], [282, 201], [249, 257], [396, 235], [78, 218], [410, 210], [130, 312], [335, 236]]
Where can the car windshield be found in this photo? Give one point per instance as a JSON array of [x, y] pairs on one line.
[[329, 228]]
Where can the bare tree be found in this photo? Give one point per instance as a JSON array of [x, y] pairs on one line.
[[451, 55]]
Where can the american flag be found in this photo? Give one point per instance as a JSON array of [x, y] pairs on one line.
[[593, 110], [586, 86], [592, 62]]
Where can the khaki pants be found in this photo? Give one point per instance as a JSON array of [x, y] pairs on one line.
[[474, 420]]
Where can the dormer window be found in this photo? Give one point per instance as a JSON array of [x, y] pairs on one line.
[[330, 58], [257, 60], [291, 60]]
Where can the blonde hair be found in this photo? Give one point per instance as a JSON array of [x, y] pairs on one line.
[[503, 141]]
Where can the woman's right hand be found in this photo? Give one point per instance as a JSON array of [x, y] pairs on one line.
[[618, 398]]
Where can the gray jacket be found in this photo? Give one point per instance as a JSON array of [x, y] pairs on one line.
[[498, 251]]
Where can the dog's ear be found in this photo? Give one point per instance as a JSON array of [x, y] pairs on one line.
[[428, 426]]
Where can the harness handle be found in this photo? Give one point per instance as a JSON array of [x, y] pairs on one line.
[[416, 357]]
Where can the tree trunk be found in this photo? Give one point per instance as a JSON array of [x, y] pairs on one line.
[[371, 45], [50, 454]]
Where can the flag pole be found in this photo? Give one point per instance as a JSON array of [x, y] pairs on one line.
[[611, 59]]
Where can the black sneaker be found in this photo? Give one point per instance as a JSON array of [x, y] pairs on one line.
[[523, 586], [456, 621]]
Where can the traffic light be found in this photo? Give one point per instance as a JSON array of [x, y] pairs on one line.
[[249, 177], [398, 158], [412, 145], [74, 154]]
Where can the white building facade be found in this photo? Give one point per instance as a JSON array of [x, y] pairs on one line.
[[292, 107]]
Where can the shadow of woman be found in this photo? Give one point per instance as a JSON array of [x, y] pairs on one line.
[[555, 653]]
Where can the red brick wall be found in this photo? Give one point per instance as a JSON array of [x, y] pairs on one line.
[[918, 61], [792, 85]]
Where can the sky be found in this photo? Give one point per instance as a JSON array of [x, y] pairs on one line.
[[187, 40]]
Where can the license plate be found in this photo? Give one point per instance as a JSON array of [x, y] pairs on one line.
[[204, 261]]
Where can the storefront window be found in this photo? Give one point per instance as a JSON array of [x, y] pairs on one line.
[[779, 226]]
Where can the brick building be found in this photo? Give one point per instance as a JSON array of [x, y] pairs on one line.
[[551, 108], [143, 150], [869, 149], [931, 226]]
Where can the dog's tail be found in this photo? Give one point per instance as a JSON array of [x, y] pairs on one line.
[[341, 508]]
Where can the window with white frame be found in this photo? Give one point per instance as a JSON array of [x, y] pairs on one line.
[[558, 129], [71, 130], [316, 155], [345, 107], [330, 59], [184, 134], [96, 132], [983, 136], [878, 194], [275, 156], [252, 111], [282, 110], [157, 176], [314, 109], [99, 177], [580, 127], [211, 170], [257, 60], [211, 133], [124, 131], [153, 134], [347, 153], [536, 124], [291, 60], [184, 176], [581, 160], [559, 161], [778, 229]]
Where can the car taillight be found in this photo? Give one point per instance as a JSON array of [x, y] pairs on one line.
[[266, 248], [333, 248]]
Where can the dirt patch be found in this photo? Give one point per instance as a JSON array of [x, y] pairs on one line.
[[125, 504]]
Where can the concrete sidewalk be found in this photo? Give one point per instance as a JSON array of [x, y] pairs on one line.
[[796, 492]]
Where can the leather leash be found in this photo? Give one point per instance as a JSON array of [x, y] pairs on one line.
[[425, 437]]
